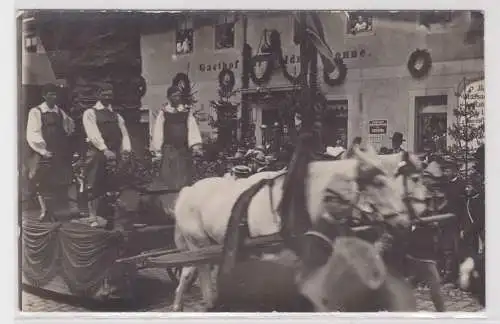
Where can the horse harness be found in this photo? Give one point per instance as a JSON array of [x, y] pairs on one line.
[[405, 169], [266, 182]]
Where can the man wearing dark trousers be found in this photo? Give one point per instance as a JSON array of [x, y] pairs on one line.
[[108, 140], [47, 134]]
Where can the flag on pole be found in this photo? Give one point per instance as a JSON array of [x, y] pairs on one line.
[[315, 33]]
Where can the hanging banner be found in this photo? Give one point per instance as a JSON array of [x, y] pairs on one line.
[[473, 97]]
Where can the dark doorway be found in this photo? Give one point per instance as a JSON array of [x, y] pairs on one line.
[[335, 123]]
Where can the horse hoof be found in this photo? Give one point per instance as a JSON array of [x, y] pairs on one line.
[[177, 308]]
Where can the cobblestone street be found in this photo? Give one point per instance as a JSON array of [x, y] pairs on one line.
[[160, 294]]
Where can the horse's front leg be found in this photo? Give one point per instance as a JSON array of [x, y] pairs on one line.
[[206, 285], [428, 272], [185, 281]]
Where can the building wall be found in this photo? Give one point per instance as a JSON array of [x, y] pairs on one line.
[[203, 65], [35, 71], [378, 84]]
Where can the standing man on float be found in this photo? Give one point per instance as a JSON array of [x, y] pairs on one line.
[[108, 140], [47, 134], [176, 137]]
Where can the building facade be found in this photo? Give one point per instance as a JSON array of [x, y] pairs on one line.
[[378, 96]]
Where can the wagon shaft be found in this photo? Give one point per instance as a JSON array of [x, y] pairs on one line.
[[170, 258], [174, 258]]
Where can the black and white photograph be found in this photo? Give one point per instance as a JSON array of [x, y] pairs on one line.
[[251, 161]]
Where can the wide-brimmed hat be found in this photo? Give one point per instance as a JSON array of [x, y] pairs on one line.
[[241, 170]]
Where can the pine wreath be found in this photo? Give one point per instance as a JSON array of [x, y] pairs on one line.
[[340, 67], [293, 80], [266, 76], [416, 57], [226, 88]]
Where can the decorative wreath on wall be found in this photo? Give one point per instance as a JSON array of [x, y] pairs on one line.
[[226, 80], [268, 69], [340, 70], [419, 63], [295, 80]]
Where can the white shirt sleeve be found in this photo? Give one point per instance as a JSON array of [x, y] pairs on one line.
[[126, 146], [92, 131], [34, 132], [194, 135], [157, 140]]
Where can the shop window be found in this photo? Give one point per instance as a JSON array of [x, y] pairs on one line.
[[359, 23], [224, 33], [184, 37], [431, 123], [335, 123]]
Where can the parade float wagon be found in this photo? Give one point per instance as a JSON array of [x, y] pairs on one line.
[[66, 256]]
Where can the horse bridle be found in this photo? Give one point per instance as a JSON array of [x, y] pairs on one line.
[[403, 170], [354, 204]]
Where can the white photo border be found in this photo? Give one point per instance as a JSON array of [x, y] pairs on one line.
[[9, 293]]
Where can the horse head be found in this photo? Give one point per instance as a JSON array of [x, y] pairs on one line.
[[368, 191], [378, 193]]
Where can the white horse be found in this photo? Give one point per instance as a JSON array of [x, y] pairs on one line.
[[203, 210]]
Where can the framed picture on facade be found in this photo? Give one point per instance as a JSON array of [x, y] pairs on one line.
[[184, 41], [359, 23], [224, 35]]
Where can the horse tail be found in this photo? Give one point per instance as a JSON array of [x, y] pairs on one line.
[[179, 239], [183, 204]]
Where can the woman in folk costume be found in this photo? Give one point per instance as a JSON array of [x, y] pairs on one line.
[[108, 139], [47, 134], [175, 134]]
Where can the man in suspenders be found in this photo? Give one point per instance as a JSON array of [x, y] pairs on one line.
[[108, 138], [47, 134]]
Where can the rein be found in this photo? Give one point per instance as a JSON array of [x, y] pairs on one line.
[[270, 183]]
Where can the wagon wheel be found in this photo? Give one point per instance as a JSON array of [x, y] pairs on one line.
[[174, 274]]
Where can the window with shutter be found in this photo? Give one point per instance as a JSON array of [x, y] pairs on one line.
[[224, 32]]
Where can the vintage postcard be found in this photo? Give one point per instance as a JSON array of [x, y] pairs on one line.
[[251, 161]]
